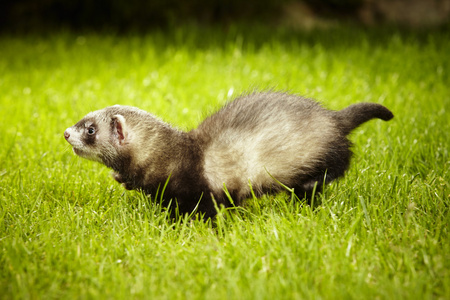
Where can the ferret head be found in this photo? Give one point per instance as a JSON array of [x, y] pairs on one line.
[[100, 136]]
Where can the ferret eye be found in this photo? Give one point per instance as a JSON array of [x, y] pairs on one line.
[[91, 130]]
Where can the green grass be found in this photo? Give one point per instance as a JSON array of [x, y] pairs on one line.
[[69, 231]]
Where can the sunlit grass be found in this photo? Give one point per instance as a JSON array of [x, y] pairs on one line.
[[68, 230]]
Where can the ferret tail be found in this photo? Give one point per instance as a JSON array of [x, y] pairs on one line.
[[351, 117]]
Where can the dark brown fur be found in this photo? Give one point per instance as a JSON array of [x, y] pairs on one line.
[[255, 137]]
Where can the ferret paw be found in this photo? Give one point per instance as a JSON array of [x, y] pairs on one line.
[[127, 185], [117, 177]]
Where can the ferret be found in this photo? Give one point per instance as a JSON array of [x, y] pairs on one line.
[[251, 145]]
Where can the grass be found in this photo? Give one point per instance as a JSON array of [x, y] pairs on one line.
[[69, 231]]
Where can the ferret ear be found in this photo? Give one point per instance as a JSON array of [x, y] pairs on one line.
[[120, 128]]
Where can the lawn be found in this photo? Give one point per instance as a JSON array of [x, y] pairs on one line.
[[69, 231]]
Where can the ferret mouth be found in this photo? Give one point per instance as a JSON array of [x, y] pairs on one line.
[[86, 154], [77, 151]]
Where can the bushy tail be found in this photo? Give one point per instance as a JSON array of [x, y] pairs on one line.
[[354, 115]]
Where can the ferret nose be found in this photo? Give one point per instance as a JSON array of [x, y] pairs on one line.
[[66, 134]]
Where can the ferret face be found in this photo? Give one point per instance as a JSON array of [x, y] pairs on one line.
[[84, 138], [95, 137]]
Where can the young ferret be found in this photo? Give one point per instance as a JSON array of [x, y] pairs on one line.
[[254, 139]]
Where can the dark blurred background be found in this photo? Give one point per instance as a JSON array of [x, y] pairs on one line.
[[23, 15]]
